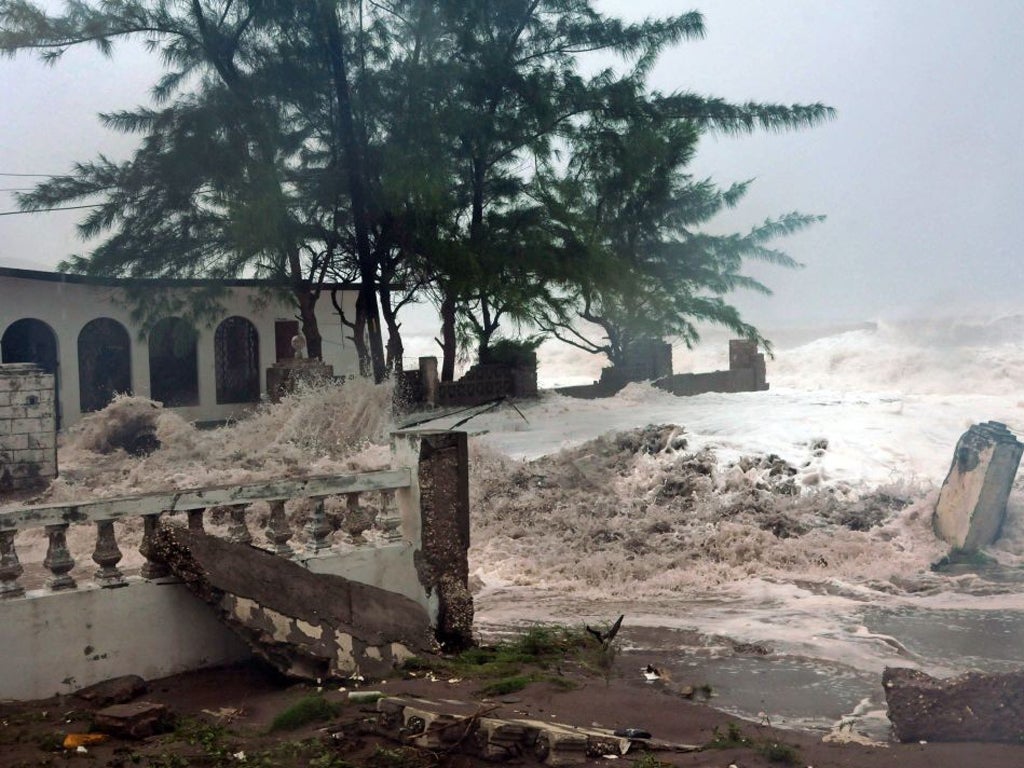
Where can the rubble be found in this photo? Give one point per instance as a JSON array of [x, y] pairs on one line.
[[134, 721], [971, 707]]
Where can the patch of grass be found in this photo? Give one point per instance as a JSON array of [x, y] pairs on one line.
[[311, 709], [50, 742], [733, 738], [540, 647], [507, 685], [779, 752], [648, 760], [397, 757]]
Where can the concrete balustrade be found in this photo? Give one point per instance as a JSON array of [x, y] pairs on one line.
[[75, 630]]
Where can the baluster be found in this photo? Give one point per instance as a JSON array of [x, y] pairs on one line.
[[357, 518], [151, 569], [195, 520], [58, 559], [278, 531], [318, 528], [107, 555], [238, 532], [388, 520], [10, 568]]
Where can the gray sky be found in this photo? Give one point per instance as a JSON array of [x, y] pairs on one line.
[[920, 176]]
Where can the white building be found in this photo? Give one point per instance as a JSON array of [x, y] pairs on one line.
[[82, 330]]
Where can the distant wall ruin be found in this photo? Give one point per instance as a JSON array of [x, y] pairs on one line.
[[482, 383], [28, 427], [746, 374]]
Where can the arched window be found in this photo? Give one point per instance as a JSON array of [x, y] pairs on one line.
[[104, 363], [32, 341], [236, 346], [173, 370]]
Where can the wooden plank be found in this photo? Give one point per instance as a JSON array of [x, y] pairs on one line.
[[199, 498]]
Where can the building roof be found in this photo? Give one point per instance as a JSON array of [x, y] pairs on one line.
[[76, 279]]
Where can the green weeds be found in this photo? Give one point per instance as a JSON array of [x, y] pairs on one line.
[[311, 709]]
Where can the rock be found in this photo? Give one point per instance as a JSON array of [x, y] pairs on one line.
[[135, 721], [116, 690], [972, 707], [972, 504]]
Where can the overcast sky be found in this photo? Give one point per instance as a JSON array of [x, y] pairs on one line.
[[920, 175]]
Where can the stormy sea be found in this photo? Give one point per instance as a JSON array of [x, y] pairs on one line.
[[778, 544]]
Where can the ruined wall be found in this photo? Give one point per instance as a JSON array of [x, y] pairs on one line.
[[28, 438], [746, 374]]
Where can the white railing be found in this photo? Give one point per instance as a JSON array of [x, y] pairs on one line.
[[195, 503]]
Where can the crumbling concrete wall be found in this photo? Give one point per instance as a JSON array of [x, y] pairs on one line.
[[28, 427], [746, 374]]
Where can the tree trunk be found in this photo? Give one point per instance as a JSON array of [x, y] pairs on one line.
[[307, 318], [449, 345], [357, 191]]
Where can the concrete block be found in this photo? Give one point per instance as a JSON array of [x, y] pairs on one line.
[[972, 503], [15, 443], [25, 426], [45, 440], [136, 720]]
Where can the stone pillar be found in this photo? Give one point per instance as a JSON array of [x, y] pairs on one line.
[[972, 503], [441, 494], [28, 427], [429, 380]]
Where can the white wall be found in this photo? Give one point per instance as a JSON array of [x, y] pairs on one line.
[[67, 307], [92, 634]]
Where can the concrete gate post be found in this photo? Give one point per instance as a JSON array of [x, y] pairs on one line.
[[435, 516]]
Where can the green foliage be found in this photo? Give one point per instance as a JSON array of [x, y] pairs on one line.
[[397, 757], [648, 760], [459, 151], [310, 709], [506, 685], [536, 655], [778, 752], [512, 352]]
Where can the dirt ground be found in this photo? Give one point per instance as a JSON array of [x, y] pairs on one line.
[[223, 717]]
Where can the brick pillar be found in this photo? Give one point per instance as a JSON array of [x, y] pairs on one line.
[[28, 427]]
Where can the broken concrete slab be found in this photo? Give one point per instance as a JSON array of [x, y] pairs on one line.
[[971, 707], [307, 625], [134, 721], [116, 690], [972, 504], [459, 726]]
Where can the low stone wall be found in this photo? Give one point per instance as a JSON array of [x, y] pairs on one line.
[[28, 427]]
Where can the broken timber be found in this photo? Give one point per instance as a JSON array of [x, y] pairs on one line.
[[307, 625]]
